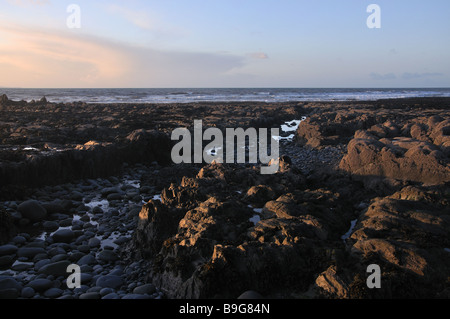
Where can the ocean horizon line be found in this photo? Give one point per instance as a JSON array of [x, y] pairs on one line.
[[187, 95]]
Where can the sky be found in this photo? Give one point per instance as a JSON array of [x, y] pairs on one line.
[[224, 43]]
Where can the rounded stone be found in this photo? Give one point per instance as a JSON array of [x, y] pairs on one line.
[[40, 284], [94, 242], [53, 293], [145, 289], [63, 236], [28, 292], [110, 281], [90, 295], [8, 250], [32, 210]]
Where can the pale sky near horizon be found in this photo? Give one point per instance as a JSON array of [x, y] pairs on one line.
[[224, 43]]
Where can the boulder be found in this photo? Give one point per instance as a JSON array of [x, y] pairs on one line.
[[399, 158], [32, 210]]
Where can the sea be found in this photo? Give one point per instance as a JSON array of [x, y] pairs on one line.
[[186, 95]]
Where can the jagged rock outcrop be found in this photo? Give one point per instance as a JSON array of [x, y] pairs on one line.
[[203, 243], [417, 155]]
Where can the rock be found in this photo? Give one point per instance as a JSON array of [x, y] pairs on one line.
[[145, 289], [32, 210], [53, 293], [19, 240], [90, 295], [56, 269], [97, 210], [38, 265], [333, 127], [8, 250], [59, 257], [405, 234], [86, 278], [63, 236], [110, 281], [331, 285], [121, 240], [250, 294], [30, 252], [106, 291], [9, 283], [259, 195], [50, 226], [112, 295], [107, 255], [4, 99], [136, 296], [87, 260], [109, 190], [55, 207], [114, 196], [6, 261], [21, 266], [94, 242], [58, 250], [84, 248], [7, 227], [28, 292], [400, 158], [40, 284]]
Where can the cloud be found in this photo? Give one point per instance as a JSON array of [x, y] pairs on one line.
[[49, 58], [258, 55], [411, 76], [382, 77]]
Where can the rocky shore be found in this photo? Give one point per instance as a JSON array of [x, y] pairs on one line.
[[360, 183]]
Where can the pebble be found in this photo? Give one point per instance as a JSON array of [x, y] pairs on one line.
[[110, 281], [8, 250], [90, 295], [19, 240], [38, 265], [53, 293], [63, 236], [28, 292], [94, 242], [76, 238], [30, 252], [50, 225], [145, 289], [112, 295], [136, 296], [6, 260], [86, 260], [40, 284], [105, 291], [58, 268], [250, 294], [107, 255]]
